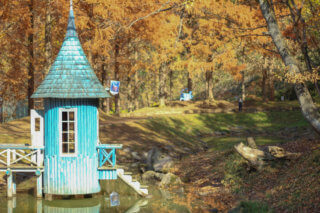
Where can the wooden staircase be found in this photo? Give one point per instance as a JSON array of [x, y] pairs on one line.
[[127, 178]]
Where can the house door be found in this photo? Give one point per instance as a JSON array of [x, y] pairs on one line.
[[37, 128]]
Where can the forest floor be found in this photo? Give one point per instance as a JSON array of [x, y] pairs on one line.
[[217, 176]]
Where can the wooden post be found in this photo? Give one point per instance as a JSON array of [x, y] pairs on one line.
[[39, 206], [39, 158], [100, 157], [39, 184], [8, 158], [14, 185], [14, 156], [48, 197], [9, 183], [10, 206], [114, 157]]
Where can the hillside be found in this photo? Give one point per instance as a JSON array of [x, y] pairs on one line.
[[202, 146]]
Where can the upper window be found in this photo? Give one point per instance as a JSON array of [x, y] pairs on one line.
[[68, 131]]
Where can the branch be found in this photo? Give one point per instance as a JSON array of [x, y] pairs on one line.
[[248, 35], [275, 52], [161, 9], [180, 26]]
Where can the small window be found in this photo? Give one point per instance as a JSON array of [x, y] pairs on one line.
[[37, 124], [68, 133]]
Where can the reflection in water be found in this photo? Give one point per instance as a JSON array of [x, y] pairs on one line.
[[114, 199], [161, 201], [50, 209]]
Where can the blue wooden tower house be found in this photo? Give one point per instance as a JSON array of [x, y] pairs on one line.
[[65, 152], [74, 161]]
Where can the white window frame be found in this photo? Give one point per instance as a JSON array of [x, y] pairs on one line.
[[75, 132]]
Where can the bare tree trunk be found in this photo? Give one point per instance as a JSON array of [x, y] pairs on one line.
[[136, 90], [48, 39], [105, 82], [148, 100], [295, 11], [190, 85], [31, 59], [162, 85], [317, 86], [117, 77], [209, 84], [155, 96], [243, 89], [130, 94], [271, 88], [90, 53], [264, 84], [135, 82], [170, 84], [308, 108]]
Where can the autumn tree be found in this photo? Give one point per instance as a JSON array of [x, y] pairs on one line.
[[308, 108]]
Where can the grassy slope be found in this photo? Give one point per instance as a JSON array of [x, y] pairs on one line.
[[179, 131]]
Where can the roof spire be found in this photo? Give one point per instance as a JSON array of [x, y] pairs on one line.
[[71, 29]]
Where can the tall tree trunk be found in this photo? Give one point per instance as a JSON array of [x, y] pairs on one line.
[[243, 90], [243, 87], [117, 77], [48, 38], [31, 59], [162, 85], [136, 90], [170, 84], [135, 84], [209, 84], [302, 38], [1, 109], [271, 88], [190, 85], [308, 108], [90, 54], [130, 94], [105, 82], [264, 84], [317, 86], [155, 89]]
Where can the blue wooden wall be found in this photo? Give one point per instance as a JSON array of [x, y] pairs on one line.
[[71, 175], [110, 174]]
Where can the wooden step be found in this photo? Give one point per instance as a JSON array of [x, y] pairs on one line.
[[144, 186], [127, 173], [108, 167], [133, 184], [134, 179]]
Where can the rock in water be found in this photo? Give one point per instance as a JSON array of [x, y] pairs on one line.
[[163, 164], [170, 180], [152, 155], [135, 156], [158, 161], [151, 177]]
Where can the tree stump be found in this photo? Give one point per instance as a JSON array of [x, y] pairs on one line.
[[258, 157]]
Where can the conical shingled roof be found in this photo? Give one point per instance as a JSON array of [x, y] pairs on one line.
[[71, 75]]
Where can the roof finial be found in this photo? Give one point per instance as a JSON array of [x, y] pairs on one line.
[[71, 30]]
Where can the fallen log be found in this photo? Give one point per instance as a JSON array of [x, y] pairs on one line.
[[252, 143], [258, 157]]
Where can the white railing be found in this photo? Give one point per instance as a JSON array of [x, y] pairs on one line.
[[20, 155]]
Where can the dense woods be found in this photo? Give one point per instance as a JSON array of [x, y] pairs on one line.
[[217, 49]]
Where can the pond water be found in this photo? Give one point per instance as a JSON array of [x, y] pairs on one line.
[[159, 201]]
